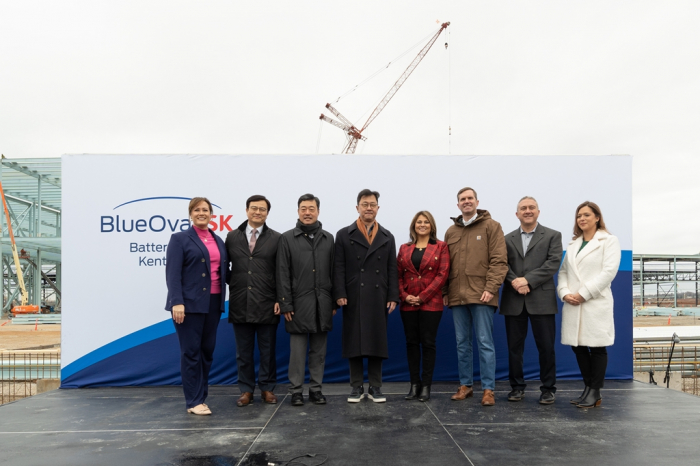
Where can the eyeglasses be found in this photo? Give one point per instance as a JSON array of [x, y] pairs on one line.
[[373, 205], [254, 208]]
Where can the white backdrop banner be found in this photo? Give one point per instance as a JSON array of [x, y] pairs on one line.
[[120, 210]]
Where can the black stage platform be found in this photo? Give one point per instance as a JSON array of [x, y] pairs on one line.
[[638, 424]]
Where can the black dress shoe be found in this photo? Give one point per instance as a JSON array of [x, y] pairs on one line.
[[413, 393], [546, 398], [576, 401], [424, 393], [317, 398], [297, 399], [592, 399], [516, 395]]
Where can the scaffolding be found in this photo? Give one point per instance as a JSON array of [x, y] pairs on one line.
[[656, 280], [33, 193]]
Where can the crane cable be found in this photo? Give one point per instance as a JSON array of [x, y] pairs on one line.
[[449, 95], [318, 140], [384, 67]]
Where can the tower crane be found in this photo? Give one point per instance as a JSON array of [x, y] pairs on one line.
[[352, 133]]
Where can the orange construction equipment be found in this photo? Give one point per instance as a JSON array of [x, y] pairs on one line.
[[23, 308]]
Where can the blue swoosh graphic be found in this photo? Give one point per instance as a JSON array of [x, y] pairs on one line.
[[160, 197], [132, 340]]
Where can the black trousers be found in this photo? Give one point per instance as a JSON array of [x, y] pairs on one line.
[[544, 331], [592, 361], [374, 371], [197, 336], [421, 329], [245, 349]]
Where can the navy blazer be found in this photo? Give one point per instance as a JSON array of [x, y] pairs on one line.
[[187, 272]]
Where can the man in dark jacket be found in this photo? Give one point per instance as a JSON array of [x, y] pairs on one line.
[[304, 291], [253, 308], [366, 284], [534, 255]]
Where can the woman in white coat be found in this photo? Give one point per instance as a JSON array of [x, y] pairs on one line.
[[591, 263]]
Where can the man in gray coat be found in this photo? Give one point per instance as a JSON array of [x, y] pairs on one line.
[[534, 256], [304, 291]]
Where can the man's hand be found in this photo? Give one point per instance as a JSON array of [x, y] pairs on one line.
[[518, 283], [342, 301], [445, 301], [524, 289], [335, 311], [288, 316], [179, 313], [391, 305], [277, 309], [486, 297]]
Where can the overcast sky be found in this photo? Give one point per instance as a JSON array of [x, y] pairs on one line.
[[519, 77]]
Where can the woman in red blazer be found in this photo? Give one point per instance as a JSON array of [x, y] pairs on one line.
[[424, 265]]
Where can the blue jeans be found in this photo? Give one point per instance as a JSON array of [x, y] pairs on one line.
[[479, 316]]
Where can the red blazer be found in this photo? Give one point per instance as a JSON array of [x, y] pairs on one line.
[[427, 282]]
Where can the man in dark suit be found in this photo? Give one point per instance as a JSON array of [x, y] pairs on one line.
[[366, 284], [534, 256], [253, 306]]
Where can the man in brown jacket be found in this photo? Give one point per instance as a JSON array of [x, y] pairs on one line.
[[478, 266]]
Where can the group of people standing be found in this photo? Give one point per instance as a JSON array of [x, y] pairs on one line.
[[307, 276]]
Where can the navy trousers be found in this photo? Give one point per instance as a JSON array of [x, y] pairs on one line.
[[197, 336]]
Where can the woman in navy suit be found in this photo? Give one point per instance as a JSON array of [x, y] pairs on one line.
[[195, 273]]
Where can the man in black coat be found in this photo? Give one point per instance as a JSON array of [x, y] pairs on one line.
[[534, 256], [253, 308], [366, 284], [304, 291]]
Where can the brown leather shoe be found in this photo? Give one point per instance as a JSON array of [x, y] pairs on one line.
[[488, 399], [462, 393], [268, 397], [245, 399]]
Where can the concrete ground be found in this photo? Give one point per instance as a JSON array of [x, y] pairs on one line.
[[637, 424]]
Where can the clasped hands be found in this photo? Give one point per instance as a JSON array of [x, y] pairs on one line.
[[521, 285], [575, 299]]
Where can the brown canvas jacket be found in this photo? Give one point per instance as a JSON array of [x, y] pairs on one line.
[[478, 258]]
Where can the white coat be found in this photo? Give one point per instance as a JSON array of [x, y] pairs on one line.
[[589, 273]]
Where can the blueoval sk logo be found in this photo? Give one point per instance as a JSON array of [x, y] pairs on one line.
[[157, 223]]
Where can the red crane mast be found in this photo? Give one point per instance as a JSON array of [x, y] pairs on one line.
[[352, 133]]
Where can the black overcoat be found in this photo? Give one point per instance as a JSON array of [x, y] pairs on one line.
[[252, 287], [305, 280], [367, 276]]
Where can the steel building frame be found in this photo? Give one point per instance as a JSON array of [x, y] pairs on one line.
[[665, 272], [33, 193]]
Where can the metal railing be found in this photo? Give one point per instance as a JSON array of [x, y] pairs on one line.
[[20, 370], [654, 358]]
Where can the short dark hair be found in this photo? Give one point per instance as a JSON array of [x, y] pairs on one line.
[[467, 189], [366, 193], [195, 201], [309, 197], [256, 198]]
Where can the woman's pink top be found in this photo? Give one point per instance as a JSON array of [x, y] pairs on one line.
[[214, 258]]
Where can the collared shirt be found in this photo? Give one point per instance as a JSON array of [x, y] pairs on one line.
[[249, 231], [526, 237], [468, 222]]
